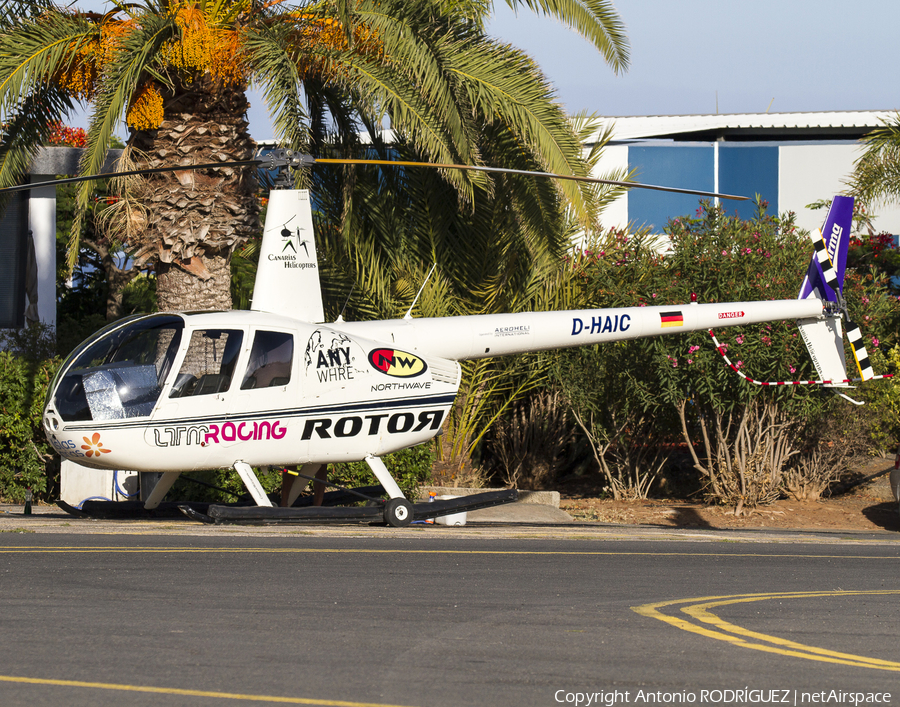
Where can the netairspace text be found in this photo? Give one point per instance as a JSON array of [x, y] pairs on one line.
[[608, 698]]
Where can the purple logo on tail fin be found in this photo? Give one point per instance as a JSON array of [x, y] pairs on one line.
[[836, 234]]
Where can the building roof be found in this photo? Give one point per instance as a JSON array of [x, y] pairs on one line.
[[826, 125], [64, 160]]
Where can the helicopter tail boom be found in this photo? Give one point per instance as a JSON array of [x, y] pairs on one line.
[[483, 336]]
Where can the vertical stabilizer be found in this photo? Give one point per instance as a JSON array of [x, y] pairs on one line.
[[825, 280], [836, 235], [287, 280]]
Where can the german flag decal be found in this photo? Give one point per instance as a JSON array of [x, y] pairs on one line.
[[398, 364], [671, 318]]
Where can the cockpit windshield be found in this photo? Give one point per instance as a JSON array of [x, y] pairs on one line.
[[120, 372]]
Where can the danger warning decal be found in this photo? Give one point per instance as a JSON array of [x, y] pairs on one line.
[[398, 364]]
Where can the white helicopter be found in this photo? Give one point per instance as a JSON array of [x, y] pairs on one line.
[[278, 386]]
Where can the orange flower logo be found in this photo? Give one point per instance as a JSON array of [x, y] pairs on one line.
[[93, 447]]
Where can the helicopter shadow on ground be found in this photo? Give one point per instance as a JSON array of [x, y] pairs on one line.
[[688, 517], [885, 515]]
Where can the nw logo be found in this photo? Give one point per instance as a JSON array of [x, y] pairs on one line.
[[398, 364]]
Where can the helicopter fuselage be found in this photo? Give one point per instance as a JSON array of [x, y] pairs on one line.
[[192, 391], [200, 391]]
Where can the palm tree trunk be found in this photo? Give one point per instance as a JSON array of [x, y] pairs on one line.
[[177, 289], [196, 219]]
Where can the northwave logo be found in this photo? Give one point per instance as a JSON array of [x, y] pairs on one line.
[[398, 364]]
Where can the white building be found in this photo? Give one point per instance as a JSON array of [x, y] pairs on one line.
[[28, 265], [789, 159]]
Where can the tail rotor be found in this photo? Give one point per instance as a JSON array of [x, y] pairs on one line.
[[822, 335], [854, 334]]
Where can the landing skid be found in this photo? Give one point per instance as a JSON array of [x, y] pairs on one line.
[[261, 515], [127, 510], [124, 510]]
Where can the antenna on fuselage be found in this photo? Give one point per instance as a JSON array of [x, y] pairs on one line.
[[408, 314], [340, 317]]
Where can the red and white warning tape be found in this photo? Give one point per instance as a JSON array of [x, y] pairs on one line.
[[721, 349]]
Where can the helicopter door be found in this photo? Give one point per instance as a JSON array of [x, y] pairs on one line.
[[206, 374], [265, 398], [268, 375]]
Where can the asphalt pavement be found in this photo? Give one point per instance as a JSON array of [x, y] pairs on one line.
[[176, 613]]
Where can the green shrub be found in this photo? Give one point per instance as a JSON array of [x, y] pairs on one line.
[[220, 486], [410, 467], [26, 458]]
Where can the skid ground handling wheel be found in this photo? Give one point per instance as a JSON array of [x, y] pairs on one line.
[[398, 512]]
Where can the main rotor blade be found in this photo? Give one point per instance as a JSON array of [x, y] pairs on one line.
[[526, 173], [296, 160], [128, 173]]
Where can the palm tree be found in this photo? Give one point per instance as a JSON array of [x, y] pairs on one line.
[[178, 71], [876, 176], [380, 231]]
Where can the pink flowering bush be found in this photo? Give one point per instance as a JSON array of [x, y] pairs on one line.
[[741, 438]]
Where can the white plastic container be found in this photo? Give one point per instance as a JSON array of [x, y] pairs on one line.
[[453, 518]]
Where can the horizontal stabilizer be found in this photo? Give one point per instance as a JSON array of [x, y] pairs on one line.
[[826, 348]]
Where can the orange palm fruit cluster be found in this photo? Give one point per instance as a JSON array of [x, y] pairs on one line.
[[146, 111]]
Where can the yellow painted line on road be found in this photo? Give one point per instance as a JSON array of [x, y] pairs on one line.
[[699, 609], [188, 693], [701, 613], [400, 551]]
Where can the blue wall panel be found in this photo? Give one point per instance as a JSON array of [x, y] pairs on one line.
[[684, 166], [748, 170]]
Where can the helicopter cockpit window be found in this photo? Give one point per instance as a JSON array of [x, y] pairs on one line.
[[120, 371], [270, 360], [209, 363]]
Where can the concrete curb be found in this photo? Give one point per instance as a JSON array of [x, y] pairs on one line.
[[544, 498]]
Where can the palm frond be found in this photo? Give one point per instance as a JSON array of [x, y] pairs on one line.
[[27, 131], [34, 52], [13, 11], [269, 54], [595, 20], [135, 56], [504, 83], [876, 174]]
